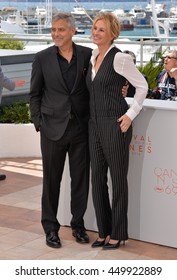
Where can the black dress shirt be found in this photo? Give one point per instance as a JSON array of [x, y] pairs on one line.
[[68, 70]]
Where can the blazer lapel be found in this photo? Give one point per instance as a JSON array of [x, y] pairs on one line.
[[80, 66]]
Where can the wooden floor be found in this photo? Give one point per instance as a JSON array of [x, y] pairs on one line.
[[21, 234]]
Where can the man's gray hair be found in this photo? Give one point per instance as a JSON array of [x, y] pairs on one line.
[[68, 17], [174, 52], [132, 55]]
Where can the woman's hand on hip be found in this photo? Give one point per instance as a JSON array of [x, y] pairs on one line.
[[125, 123]]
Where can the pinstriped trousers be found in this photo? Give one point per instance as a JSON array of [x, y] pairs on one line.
[[109, 149]]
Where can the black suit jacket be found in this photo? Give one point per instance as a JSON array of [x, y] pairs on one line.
[[50, 100]]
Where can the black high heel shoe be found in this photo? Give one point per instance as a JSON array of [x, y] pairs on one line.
[[109, 246], [98, 243]]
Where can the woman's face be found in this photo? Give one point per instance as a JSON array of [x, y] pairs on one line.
[[101, 35]]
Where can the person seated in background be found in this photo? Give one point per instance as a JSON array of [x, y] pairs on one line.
[[167, 80], [10, 85], [128, 90]]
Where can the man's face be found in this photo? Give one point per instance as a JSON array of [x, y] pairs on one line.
[[170, 61], [62, 33]]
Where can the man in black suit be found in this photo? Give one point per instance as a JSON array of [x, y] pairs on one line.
[[59, 104]]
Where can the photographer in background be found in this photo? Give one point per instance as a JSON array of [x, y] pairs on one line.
[[167, 79]]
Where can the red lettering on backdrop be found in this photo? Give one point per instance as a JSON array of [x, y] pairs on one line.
[[142, 138], [131, 147], [140, 144], [166, 181], [140, 148], [135, 137]]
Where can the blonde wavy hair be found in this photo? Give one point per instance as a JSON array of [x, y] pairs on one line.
[[111, 21]]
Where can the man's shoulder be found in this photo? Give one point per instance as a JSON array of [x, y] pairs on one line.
[[83, 48], [46, 51], [163, 77], [162, 74]]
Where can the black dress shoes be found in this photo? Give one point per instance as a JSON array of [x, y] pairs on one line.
[[109, 246], [98, 243], [2, 177], [80, 235], [53, 240]]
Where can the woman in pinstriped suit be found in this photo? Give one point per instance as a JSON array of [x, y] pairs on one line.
[[110, 128]]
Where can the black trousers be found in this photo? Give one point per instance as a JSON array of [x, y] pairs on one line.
[[109, 149], [75, 143]]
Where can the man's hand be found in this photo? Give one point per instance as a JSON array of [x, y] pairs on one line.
[[125, 89], [19, 83], [173, 73]]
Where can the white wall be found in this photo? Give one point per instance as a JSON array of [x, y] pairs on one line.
[[19, 140]]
